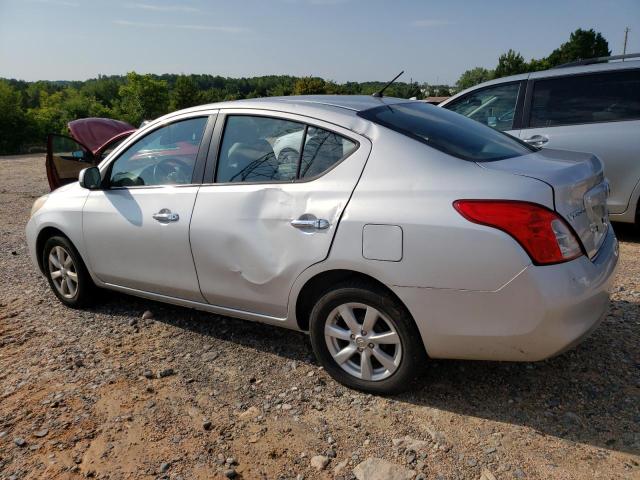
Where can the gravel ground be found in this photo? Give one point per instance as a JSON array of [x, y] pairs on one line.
[[110, 393]]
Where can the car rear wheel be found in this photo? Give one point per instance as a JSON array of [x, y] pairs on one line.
[[67, 275], [366, 340]]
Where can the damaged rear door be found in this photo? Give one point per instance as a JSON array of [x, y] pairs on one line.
[[275, 189]]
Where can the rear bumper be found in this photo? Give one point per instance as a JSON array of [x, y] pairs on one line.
[[538, 314]]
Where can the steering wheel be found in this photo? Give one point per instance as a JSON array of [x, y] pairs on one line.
[[171, 170]]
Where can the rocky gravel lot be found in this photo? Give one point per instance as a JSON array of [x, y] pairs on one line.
[[136, 389]]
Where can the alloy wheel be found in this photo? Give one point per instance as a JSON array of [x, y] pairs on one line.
[[63, 272], [363, 341]]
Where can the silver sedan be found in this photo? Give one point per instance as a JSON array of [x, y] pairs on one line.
[[391, 230]]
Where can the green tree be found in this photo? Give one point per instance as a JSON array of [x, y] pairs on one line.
[[104, 89], [142, 97], [537, 65], [582, 44], [309, 86], [212, 95], [12, 119], [473, 77], [332, 88], [510, 63], [441, 91], [185, 94], [280, 90]]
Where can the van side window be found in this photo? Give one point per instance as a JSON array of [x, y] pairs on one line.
[[492, 106], [593, 98]]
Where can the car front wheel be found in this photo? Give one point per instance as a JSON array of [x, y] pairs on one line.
[[366, 340], [66, 272]]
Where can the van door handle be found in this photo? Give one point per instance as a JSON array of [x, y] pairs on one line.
[[165, 216], [537, 140], [310, 223]]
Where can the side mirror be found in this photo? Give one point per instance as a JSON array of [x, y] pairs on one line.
[[90, 178]]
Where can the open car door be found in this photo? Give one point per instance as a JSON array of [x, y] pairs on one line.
[[65, 158], [90, 141]]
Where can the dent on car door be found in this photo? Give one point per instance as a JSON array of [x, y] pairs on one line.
[[272, 208], [65, 158], [595, 113]]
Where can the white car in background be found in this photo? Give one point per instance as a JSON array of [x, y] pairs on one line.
[[586, 106]]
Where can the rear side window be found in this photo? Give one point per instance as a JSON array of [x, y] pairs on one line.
[[447, 131], [322, 150], [264, 149], [603, 97]]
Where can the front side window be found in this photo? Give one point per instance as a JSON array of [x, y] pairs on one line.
[[447, 131], [264, 149], [111, 147], [166, 156], [602, 97], [493, 106]]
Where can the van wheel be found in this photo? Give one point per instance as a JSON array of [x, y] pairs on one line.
[[366, 340], [67, 275]]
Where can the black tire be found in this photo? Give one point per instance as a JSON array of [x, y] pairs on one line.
[[413, 358], [84, 294]]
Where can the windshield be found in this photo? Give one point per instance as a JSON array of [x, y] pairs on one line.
[[447, 131]]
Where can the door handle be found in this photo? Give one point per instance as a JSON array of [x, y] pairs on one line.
[[537, 140], [310, 223], [165, 216]]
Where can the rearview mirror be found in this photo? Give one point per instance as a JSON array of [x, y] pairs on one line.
[[90, 178]]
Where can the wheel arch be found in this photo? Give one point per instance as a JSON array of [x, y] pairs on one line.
[[324, 281], [45, 234]]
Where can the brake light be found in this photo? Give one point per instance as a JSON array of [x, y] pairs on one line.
[[543, 234]]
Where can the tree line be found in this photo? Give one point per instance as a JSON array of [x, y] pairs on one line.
[[31, 110], [582, 44]]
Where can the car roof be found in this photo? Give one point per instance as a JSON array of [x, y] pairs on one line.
[[553, 72], [341, 110], [355, 103]]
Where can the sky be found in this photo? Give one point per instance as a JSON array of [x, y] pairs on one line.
[[340, 40]]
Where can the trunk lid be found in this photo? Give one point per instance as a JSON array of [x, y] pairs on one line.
[[580, 190], [95, 132]]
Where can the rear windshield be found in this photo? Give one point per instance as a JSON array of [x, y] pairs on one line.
[[447, 131]]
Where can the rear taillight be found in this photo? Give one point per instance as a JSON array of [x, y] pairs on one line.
[[543, 234]]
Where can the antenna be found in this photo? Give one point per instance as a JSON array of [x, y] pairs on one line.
[[626, 34], [379, 93]]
